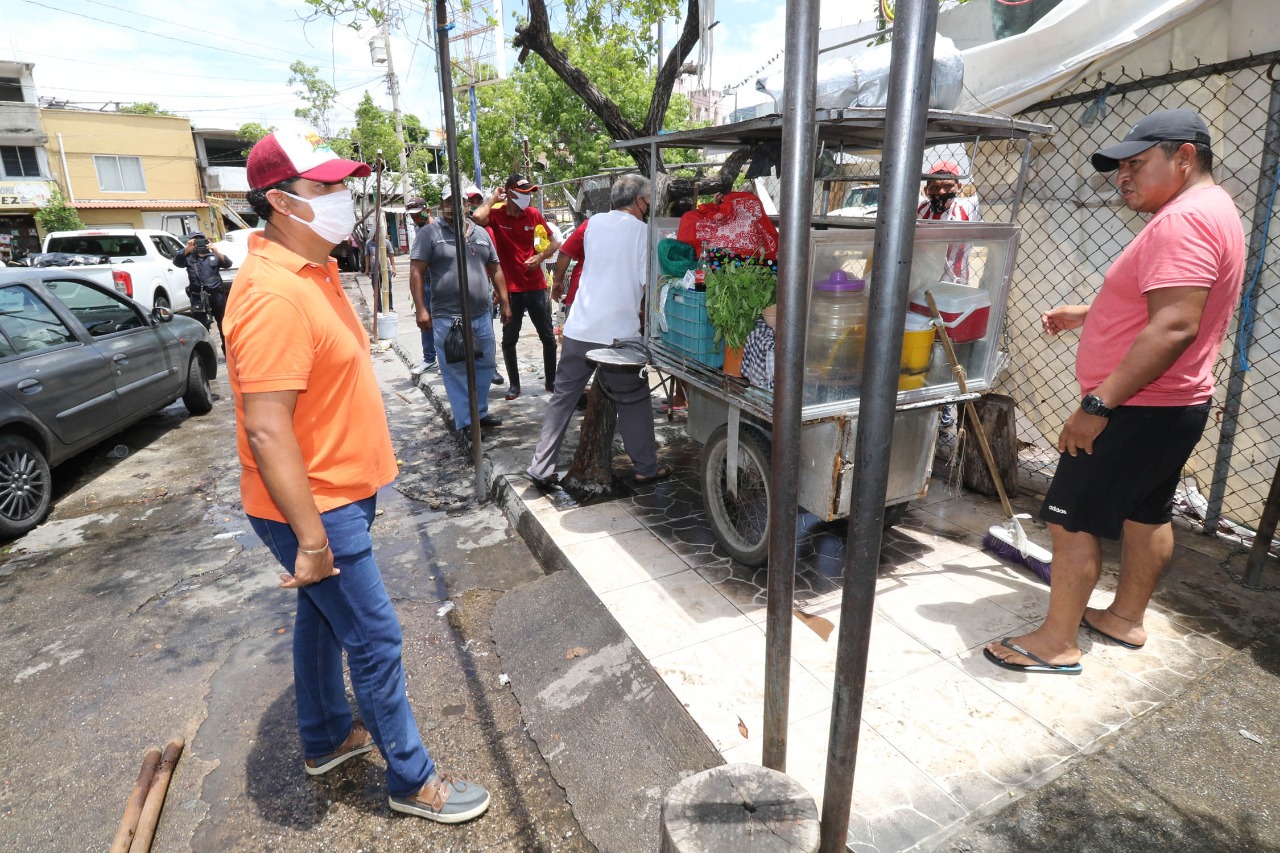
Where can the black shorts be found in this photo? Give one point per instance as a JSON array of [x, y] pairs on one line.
[[1132, 473]]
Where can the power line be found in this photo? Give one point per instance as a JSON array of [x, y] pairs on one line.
[[25, 52], [258, 57]]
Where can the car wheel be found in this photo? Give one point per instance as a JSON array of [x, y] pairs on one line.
[[161, 301], [26, 488], [199, 396]]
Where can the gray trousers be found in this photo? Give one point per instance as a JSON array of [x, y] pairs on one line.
[[635, 420]]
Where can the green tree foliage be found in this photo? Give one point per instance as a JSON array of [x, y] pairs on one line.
[[318, 95], [149, 108], [250, 133], [57, 215]]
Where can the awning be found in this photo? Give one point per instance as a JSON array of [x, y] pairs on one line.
[[139, 204]]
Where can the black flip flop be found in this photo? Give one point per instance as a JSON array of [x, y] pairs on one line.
[[1084, 623], [1040, 665]]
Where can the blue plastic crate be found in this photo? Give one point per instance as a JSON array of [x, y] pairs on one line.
[[689, 332]]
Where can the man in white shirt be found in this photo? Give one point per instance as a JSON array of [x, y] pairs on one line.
[[607, 309]]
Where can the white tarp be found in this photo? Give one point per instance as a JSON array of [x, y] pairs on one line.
[[1069, 43]]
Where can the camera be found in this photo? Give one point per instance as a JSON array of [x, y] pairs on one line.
[[202, 245]]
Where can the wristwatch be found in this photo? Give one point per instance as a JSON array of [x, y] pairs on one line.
[[1092, 405]]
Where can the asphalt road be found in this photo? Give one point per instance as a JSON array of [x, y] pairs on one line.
[[145, 609]]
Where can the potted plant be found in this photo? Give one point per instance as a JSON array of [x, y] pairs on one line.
[[736, 294]]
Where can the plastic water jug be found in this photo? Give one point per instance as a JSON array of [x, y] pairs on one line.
[[837, 338]]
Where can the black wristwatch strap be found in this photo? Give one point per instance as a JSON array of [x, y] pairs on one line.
[[1093, 405]]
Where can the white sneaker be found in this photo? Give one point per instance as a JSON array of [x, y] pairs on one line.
[[418, 369]]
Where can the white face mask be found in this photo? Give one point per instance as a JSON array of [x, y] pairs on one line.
[[333, 215], [521, 200]]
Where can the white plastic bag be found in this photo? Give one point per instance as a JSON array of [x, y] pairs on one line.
[[871, 68]]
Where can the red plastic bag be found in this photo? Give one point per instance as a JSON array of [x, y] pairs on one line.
[[737, 224]]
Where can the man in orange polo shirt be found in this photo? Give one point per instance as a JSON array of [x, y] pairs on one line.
[[314, 450]]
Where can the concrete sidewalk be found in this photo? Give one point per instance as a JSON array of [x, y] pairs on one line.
[[948, 741]]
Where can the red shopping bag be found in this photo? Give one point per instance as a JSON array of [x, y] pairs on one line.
[[737, 224]]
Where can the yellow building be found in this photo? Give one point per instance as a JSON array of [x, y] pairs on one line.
[[124, 170]]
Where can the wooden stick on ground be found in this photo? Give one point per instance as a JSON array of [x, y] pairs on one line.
[[155, 798], [129, 823]]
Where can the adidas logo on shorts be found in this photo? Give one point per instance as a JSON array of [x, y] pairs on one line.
[[1057, 509]]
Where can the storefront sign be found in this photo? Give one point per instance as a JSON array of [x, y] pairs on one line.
[[26, 194]]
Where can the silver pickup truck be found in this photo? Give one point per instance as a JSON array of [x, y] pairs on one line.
[[140, 263]]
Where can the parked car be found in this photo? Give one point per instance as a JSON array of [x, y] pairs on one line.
[[78, 363], [862, 200], [137, 262], [236, 247]]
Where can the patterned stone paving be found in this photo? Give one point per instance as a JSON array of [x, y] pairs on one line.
[[944, 733]]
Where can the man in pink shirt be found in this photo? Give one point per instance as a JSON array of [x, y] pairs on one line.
[[1145, 367]]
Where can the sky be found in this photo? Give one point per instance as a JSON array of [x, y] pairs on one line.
[[227, 63]]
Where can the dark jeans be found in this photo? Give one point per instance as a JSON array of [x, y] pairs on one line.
[[538, 304], [216, 303], [350, 612]]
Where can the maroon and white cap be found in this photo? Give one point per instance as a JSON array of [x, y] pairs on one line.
[[282, 155]]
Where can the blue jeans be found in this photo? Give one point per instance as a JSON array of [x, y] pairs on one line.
[[455, 375], [350, 611]]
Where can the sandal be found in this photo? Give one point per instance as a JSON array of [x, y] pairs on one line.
[[547, 483], [676, 409], [664, 471]]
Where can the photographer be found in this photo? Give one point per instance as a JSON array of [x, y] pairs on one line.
[[208, 294]]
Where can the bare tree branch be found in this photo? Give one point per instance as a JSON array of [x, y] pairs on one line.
[[671, 70]]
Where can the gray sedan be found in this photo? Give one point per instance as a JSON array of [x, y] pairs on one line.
[[79, 363]]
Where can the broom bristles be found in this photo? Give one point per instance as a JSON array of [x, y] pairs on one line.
[[1009, 541]]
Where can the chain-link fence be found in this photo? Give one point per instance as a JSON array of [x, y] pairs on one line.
[[1075, 226]]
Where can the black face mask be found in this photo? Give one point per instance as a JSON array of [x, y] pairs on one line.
[[938, 203]]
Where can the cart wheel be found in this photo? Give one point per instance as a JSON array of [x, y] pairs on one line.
[[741, 521]]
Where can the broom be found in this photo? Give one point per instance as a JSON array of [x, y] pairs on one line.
[[1008, 541]]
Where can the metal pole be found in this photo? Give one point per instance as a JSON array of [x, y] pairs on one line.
[[915, 28], [459, 237], [393, 83], [379, 259], [475, 134], [796, 203], [1265, 197]]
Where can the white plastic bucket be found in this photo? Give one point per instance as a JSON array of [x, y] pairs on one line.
[[387, 324]]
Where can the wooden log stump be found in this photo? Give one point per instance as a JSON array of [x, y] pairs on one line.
[[742, 808], [590, 474], [996, 412]]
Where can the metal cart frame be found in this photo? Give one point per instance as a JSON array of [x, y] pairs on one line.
[[734, 421]]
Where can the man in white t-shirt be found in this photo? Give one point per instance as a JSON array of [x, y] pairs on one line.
[[607, 308]]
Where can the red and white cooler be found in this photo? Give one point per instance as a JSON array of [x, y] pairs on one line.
[[966, 311]]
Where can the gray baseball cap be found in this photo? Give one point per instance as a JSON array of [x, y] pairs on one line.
[[1162, 126]]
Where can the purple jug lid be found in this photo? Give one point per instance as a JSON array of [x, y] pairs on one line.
[[839, 282]]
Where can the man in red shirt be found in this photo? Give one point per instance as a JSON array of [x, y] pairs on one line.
[[1148, 345], [514, 224]]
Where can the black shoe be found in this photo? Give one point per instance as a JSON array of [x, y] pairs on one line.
[[498, 378], [490, 421]]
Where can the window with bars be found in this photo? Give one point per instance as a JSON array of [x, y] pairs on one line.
[[19, 161], [119, 174]]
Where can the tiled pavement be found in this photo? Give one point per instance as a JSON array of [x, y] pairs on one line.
[[945, 735]]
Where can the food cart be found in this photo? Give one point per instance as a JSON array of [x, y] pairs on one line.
[[732, 419]]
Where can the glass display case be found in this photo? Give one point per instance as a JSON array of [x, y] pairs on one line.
[[966, 266]]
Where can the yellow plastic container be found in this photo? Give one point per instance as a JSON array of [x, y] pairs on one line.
[[917, 344], [910, 382]]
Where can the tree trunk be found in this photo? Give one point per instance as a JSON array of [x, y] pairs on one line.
[[590, 475], [997, 413]]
